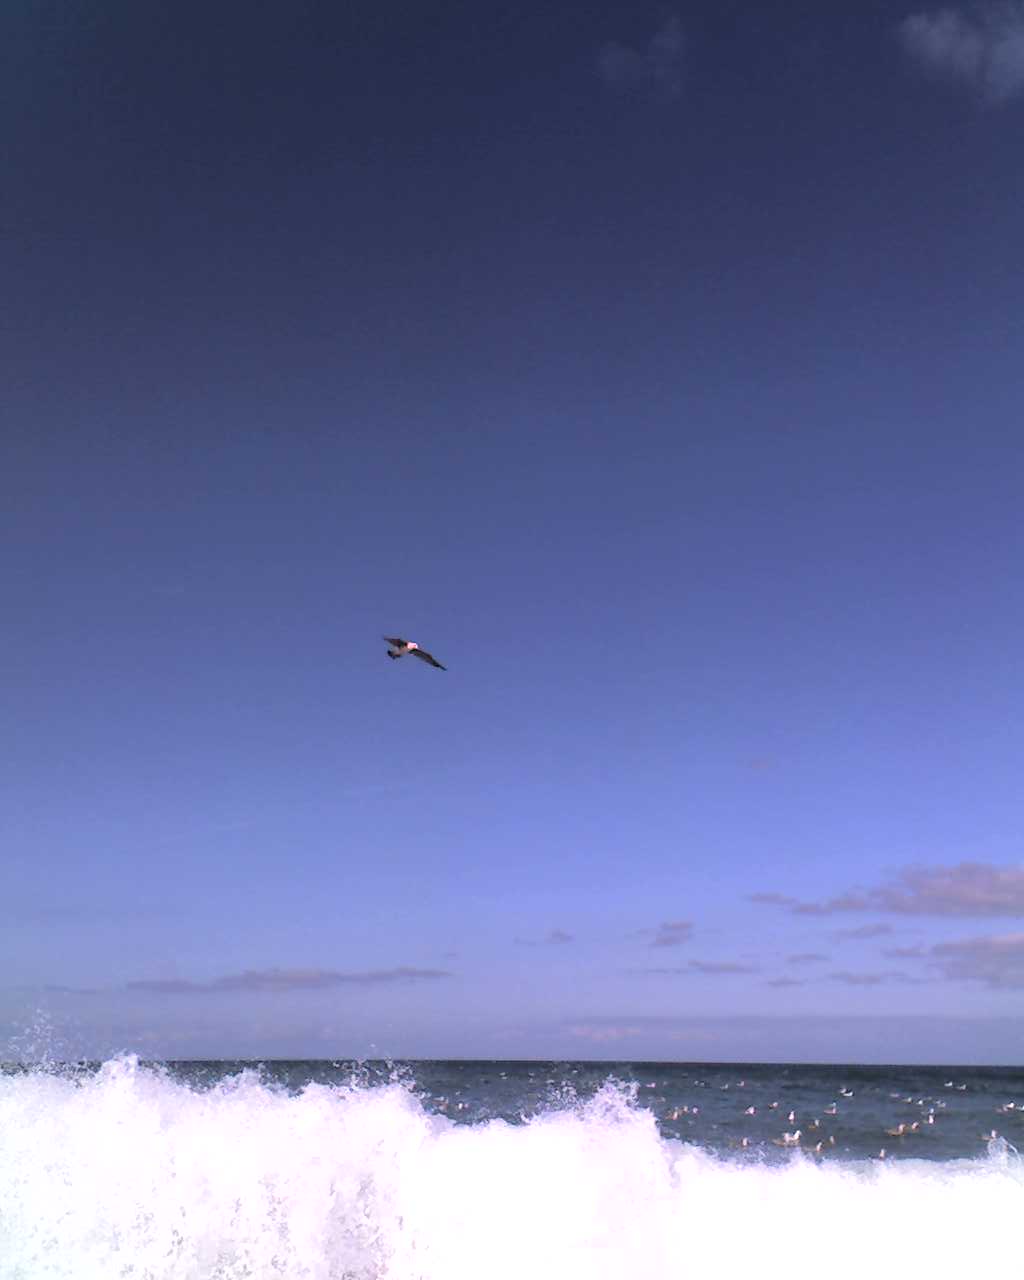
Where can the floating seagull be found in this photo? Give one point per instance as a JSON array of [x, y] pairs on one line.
[[399, 648]]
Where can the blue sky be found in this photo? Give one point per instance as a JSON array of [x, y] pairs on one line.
[[660, 371]]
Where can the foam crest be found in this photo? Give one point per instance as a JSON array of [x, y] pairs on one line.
[[128, 1172]]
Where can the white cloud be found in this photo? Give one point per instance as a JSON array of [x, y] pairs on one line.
[[982, 48]]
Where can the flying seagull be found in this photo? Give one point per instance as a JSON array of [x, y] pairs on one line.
[[399, 648]]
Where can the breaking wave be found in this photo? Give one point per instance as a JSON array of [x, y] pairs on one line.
[[129, 1173]]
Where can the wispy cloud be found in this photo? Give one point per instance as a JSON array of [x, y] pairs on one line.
[[555, 938], [604, 1033], [604, 1030], [981, 47], [774, 1037], [713, 968], [862, 932], [722, 967], [916, 952], [968, 889], [994, 961], [656, 69], [168, 986], [285, 980], [806, 957], [785, 981], [870, 979], [672, 933]]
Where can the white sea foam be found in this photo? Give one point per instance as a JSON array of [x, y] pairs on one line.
[[131, 1174]]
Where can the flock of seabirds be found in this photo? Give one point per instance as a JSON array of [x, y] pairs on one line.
[[808, 1139], [812, 1137]]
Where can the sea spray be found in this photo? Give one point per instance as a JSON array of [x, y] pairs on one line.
[[130, 1172]]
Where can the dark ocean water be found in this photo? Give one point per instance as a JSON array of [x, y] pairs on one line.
[[948, 1113], [495, 1170]]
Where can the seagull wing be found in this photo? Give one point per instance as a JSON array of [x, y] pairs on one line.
[[427, 657], [396, 642]]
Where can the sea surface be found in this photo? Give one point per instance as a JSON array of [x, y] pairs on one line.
[[508, 1171]]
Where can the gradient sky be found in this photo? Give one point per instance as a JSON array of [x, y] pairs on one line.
[[659, 370]]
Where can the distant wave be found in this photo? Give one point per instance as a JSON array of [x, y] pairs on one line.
[[128, 1172]]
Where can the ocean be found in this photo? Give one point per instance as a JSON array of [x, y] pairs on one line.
[[508, 1171]]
